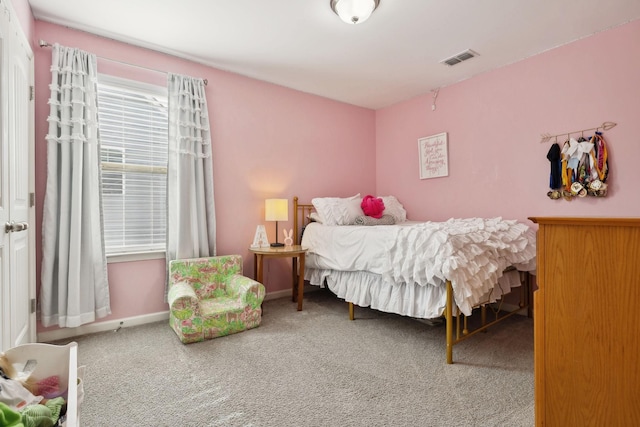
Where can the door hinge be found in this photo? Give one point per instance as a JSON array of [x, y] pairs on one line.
[[32, 93], [33, 305], [32, 199]]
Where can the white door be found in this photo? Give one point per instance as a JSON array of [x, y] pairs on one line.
[[17, 249]]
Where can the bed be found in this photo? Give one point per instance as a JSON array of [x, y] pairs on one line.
[[425, 270]]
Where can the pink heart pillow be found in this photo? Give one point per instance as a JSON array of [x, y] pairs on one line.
[[372, 206]]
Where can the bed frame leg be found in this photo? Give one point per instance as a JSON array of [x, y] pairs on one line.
[[351, 311], [448, 314]]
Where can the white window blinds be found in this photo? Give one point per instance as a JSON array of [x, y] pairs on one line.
[[133, 133]]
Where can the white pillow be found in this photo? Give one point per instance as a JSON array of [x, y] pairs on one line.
[[337, 210], [394, 208]]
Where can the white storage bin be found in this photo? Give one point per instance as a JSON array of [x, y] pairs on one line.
[[60, 360]]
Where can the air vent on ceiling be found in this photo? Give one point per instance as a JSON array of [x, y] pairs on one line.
[[463, 56]]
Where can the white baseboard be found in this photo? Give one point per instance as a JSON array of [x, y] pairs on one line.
[[278, 294], [112, 325], [286, 293], [109, 325], [512, 307]]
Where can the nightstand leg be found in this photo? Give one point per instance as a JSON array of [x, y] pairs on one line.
[[255, 267], [301, 282], [258, 266], [294, 279]]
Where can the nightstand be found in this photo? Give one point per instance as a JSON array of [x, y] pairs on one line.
[[296, 253]]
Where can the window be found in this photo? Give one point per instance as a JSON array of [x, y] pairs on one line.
[[112, 159], [133, 133]]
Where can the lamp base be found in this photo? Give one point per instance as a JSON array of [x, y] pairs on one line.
[[277, 245]]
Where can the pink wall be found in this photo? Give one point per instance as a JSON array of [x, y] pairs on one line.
[[268, 141], [497, 165]]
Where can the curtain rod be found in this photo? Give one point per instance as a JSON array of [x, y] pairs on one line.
[[43, 43]]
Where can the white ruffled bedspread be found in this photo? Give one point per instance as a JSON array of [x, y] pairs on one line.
[[403, 268]]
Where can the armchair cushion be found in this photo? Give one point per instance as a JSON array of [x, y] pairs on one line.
[[209, 297]]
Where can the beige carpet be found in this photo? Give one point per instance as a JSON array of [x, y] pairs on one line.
[[310, 368]]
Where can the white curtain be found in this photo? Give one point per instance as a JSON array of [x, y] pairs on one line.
[[74, 287], [191, 222]]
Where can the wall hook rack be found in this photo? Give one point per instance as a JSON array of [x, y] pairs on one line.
[[604, 126]]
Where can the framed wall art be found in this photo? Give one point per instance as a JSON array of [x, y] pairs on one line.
[[433, 155]]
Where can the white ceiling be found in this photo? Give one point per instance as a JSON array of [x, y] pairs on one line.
[[302, 44]]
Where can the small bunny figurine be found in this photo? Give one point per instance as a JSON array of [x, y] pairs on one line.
[[288, 238]]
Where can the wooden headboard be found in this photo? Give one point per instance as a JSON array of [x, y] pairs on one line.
[[300, 218]]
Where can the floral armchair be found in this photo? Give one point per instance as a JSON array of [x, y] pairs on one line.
[[209, 298]]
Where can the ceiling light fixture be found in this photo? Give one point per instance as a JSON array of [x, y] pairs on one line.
[[354, 11]]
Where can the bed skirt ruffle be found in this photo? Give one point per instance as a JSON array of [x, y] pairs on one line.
[[372, 290]]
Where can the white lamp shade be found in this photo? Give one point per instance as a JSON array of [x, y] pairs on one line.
[[354, 11], [276, 210]]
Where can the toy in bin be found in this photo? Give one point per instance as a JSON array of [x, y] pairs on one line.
[[36, 386]]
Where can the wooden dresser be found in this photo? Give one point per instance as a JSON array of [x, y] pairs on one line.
[[587, 322]]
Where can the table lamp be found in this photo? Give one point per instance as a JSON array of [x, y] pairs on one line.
[[276, 210]]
